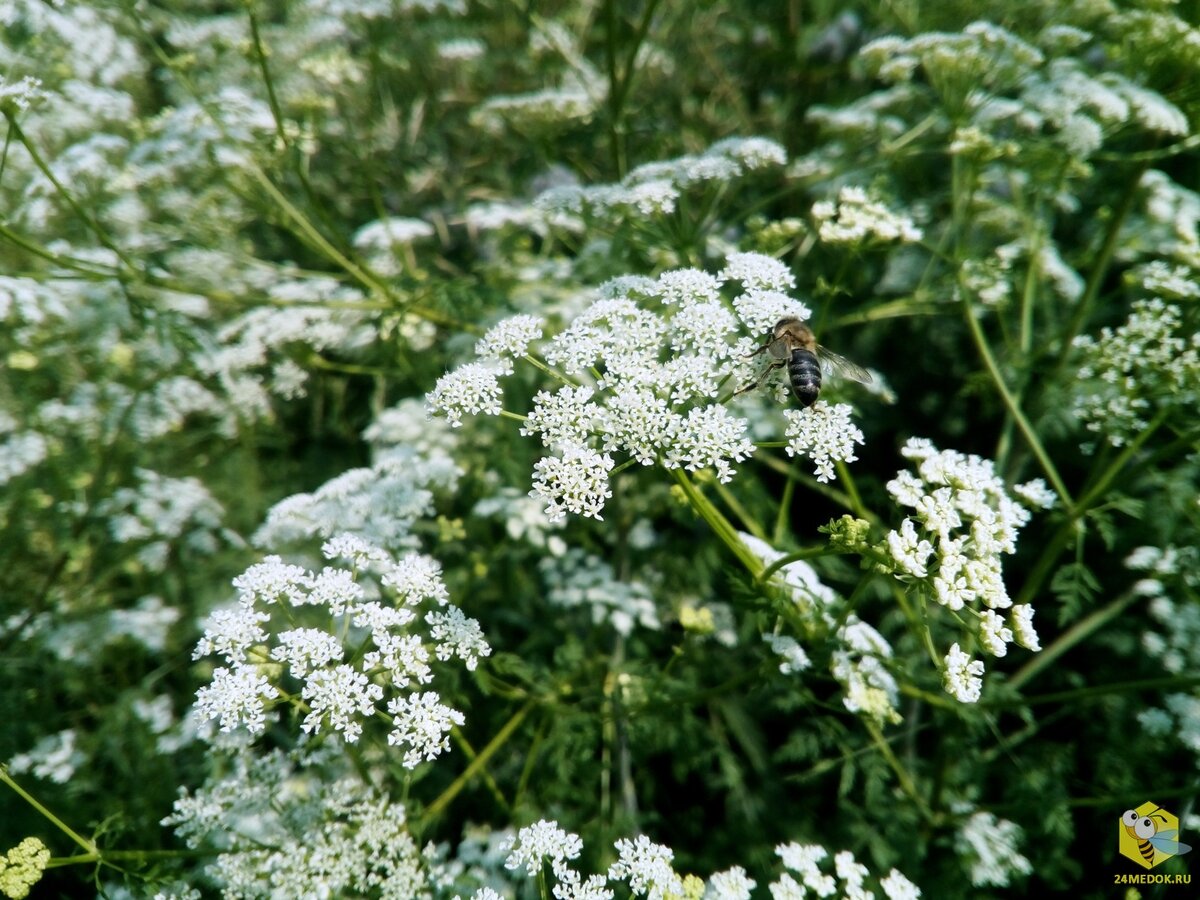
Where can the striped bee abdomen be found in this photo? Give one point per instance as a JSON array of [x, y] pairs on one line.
[[805, 373]]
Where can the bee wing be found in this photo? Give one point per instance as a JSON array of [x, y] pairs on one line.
[[839, 365], [1168, 846]]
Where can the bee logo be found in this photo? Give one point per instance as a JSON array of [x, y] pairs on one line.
[[1149, 835]]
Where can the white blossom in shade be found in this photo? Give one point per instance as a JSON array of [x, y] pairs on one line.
[[55, 757], [422, 724], [896, 887], [510, 337], [235, 696], [575, 482], [994, 635], [335, 589], [484, 893], [752, 152], [543, 841], [468, 390], [1036, 494], [909, 551], [686, 286], [232, 632], [787, 888], [792, 655], [564, 417], [710, 436], [341, 695], [855, 218], [759, 309], [1021, 620], [20, 95], [758, 272], [417, 577], [732, 884], [647, 867], [825, 434], [457, 635], [384, 234], [989, 847], [461, 49], [273, 580], [802, 859], [304, 649], [963, 677], [653, 197]]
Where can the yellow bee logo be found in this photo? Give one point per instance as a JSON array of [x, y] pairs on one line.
[[1155, 842]]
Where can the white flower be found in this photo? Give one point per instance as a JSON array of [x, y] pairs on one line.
[[541, 841], [272, 580], [825, 434], [962, 678], [856, 217], [647, 866], [236, 695], [383, 234], [510, 337], [896, 887], [688, 286], [576, 482], [989, 846], [307, 648], [758, 272], [340, 694], [231, 632], [803, 859], [422, 723], [709, 436], [416, 577], [733, 884], [565, 417], [760, 308], [1036, 494], [457, 635], [469, 389], [993, 633], [1021, 619], [793, 655], [909, 552]]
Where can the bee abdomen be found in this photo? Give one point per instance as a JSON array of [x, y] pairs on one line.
[[805, 374]]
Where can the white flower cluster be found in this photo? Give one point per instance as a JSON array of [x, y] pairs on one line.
[[860, 655], [1148, 364], [162, 513], [825, 434], [667, 348], [648, 868], [288, 827], [653, 189], [989, 847], [345, 651], [1061, 98], [856, 218], [580, 580], [963, 520]]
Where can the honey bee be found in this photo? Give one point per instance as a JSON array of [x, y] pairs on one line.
[[792, 344], [1150, 839]]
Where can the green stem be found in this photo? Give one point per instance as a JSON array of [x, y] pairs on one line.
[[90, 221], [1014, 407], [443, 800], [902, 774], [1076, 634], [719, 524], [62, 826]]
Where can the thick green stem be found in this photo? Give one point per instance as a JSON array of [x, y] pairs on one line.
[[89, 846], [719, 524]]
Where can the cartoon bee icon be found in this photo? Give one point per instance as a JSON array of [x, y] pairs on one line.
[[1144, 830]]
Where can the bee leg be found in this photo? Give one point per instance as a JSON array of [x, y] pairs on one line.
[[758, 351], [760, 379]]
